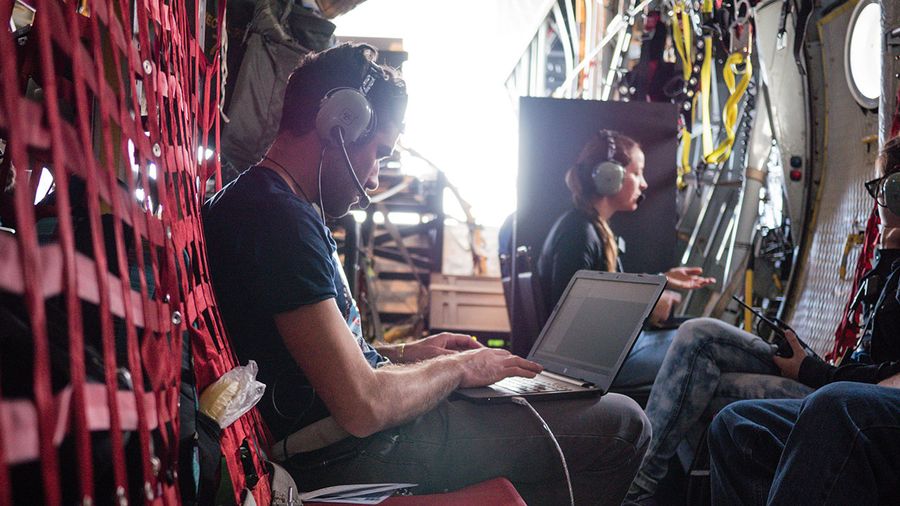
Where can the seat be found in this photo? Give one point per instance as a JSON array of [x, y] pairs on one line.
[[496, 492], [528, 315]]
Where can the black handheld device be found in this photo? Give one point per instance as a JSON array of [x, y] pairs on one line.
[[778, 327]]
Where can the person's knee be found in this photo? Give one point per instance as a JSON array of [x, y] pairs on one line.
[[634, 426], [828, 402], [733, 428], [695, 333], [719, 435]]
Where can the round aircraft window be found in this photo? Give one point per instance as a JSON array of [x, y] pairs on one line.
[[862, 54]]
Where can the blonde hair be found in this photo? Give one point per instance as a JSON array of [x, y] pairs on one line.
[[581, 199], [580, 183]]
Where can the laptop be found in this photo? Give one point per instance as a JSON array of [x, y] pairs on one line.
[[586, 339]]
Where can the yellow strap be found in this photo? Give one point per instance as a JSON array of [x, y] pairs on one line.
[[677, 38], [730, 112], [707, 7], [853, 240], [682, 34], [705, 76], [685, 167]]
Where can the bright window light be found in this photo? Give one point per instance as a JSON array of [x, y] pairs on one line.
[[460, 115], [863, 54]]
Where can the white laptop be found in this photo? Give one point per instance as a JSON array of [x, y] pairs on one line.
[[586, 339]]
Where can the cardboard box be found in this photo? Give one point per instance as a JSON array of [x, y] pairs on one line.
[[467, 304]]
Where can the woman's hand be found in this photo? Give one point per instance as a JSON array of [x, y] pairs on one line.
[[687, 278]]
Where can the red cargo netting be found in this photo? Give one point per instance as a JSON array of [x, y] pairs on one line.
[[103, 277]]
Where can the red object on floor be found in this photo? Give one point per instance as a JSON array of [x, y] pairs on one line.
[[496, 492]]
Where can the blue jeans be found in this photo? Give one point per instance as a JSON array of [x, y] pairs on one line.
[[643, 363], [709, 365], [840, 445]]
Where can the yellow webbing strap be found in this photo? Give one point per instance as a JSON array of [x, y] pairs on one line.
[[705, 76], [707, 7], [682, 36], [730, 112], [685, 167]]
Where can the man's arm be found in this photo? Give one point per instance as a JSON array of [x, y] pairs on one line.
[[813, 372], [892, 382], [364, 400], [445, 343]]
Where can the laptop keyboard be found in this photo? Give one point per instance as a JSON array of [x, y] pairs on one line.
[[531, 385]]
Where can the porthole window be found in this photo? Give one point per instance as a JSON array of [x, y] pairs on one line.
[[862, 54]]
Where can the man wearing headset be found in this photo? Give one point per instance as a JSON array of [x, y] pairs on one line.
[[341, 410], [841, 444]]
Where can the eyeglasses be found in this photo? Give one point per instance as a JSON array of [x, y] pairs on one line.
[[875, 188]]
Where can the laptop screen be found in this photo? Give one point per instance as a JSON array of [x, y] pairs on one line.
[[595, 324]]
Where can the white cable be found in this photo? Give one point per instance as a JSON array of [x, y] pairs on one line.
[[319, 184], [562, 458]]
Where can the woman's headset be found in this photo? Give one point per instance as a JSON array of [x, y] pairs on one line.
[[609, 174]]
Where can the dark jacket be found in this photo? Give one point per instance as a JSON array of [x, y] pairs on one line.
[[879, 356], [573, 243]]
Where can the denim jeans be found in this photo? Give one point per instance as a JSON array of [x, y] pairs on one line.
[[642, 364], [840, 445], [460, 443], [708, 365]]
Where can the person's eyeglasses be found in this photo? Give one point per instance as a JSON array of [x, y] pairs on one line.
[[875, 188]]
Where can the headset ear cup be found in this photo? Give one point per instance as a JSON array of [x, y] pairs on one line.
[[608, 178], [892, 193], [347, 109]]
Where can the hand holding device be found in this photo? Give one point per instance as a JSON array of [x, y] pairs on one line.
[[790, 366], [778, 329]]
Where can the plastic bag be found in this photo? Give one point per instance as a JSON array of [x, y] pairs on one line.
[[232, 395]]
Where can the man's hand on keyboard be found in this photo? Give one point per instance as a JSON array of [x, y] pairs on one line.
[[485, 366]]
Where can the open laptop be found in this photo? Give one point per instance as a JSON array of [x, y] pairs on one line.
[[586, 339]]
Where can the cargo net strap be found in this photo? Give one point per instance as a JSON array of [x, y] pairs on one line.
[[113, 105]]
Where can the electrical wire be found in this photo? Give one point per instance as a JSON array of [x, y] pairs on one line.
[[562, 458], [319, 179]]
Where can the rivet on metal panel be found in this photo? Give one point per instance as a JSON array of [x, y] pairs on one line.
[[176, 318], [148, 67], [157, 151]]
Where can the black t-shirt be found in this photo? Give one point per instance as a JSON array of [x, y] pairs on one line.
[[269, 253], [572, 244]]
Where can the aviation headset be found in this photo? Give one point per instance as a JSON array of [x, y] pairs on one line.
[[891, 190], [346, 116], [609, 174]]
